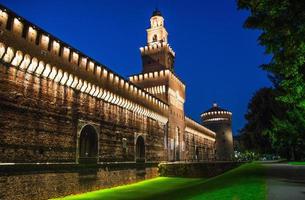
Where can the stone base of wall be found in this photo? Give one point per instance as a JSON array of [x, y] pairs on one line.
[[44, 182], [196, 170]]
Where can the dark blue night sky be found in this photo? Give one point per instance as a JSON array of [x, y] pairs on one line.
[[216, 58]]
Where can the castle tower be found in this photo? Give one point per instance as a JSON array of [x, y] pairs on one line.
[[158, 78], [157, 55], [219, 120]]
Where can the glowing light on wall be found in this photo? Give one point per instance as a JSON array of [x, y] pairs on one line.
[[46, 71], [74, 81], [70, 81], [18, 58], [40, 68], [100, 94], [116, 79], [53, 73], [79, 84], [91, 67], [111, 77], [64, 78], [17, 26], [122, 83], [84, 86], [44, 41], [216, 119], [75, 57], [66, 52], [88, 89], [3, 18], [33, 65], [55, 47], [91, 90], [9, 55], [58, 76], [83, 63], [96, 92], [98, 71], [2, 49]]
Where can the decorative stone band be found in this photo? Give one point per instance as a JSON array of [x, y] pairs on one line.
[[18, 33], [196, 128], [37, 67], [156, 47], [155, 75]]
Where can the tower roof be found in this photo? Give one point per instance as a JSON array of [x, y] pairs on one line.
[[216, 113], [215, 107], [156, 13]]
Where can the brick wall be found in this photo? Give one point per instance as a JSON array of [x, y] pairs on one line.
[[41, 185], [40, 121]]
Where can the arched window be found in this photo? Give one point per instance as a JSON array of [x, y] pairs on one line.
[[155, 38], [88, 145], [140, 149]]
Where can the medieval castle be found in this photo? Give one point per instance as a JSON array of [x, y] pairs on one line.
[[58, 105]]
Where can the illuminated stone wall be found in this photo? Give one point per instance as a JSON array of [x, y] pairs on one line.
[[198, 147], [40, 120], [50, 91]]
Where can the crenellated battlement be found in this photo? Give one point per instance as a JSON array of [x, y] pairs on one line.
[[81, 111], [218, 115], [29, 48], [161, 89], [196, 128], [155, 47], [155, 76]]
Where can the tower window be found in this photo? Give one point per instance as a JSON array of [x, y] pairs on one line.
[[155, 38]]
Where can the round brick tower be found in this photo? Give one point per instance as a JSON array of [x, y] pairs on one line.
[[219, 120]]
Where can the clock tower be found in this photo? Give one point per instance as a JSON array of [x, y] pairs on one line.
[[159, 79]]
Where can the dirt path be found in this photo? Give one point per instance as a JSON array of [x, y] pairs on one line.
[[285, 182]]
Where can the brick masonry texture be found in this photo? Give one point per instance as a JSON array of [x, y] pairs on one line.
[[44, 185], [40, 120]]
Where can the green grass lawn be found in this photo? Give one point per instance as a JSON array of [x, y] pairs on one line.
[[296, 163], [246, 182]]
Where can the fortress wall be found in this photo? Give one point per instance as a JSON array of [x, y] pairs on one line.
[[66, 180], [40, 120]]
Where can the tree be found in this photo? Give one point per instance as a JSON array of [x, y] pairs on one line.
[[261, 110], [282, 26]]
